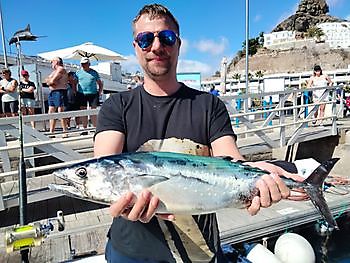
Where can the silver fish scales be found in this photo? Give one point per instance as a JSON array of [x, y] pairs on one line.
[[185, 184]]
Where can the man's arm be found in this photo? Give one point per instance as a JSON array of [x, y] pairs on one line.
[[52, 80], [108, 143], [100, 86], [12, 87]]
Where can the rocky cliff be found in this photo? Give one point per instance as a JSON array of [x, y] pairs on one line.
[[304, 56], [309, 14]]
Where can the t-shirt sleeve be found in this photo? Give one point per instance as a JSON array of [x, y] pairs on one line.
[[97, 76], [110, 116], [220, 123]]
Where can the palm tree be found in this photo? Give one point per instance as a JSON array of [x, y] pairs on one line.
[[315, 32], [259, 74]]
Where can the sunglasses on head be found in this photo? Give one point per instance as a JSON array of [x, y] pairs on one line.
[[166, 37]]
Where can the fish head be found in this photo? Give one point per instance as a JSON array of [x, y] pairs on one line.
[[93, 180]]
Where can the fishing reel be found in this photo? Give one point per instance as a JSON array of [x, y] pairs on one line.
[[32, 235]]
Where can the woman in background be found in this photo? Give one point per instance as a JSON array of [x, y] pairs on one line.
[[319, 80], [27, 89]]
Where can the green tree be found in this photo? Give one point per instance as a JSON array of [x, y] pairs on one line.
[[254, 45], [315, 32], [259, 74]]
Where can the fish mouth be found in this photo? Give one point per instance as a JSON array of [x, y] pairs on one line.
[[65, 178]]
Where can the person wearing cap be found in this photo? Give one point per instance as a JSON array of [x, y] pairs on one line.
[[27, 89], [88, 92], [10, 94], [57, 82], [319, 80]]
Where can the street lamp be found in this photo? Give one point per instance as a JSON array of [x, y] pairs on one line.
[[223, 74], [246, 52]]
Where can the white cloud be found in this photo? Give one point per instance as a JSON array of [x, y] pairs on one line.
[[184, 46], [131, 65], [194, 66], [347, 17], [211, 46]]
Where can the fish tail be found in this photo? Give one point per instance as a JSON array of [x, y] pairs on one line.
[[314, 190]]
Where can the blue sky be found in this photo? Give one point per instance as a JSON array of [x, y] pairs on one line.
[[210, 29]]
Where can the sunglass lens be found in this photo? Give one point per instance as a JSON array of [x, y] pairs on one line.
[[167, 37], [145, 39]]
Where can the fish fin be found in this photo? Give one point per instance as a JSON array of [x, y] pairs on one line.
[[314, 190], [226, 158]]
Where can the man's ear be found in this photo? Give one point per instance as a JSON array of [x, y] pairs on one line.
[[179, 43], [133, 44]]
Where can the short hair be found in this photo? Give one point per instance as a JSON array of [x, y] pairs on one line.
[[155, 11], [6, 70], [59, 60]]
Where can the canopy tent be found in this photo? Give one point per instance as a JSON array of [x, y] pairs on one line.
[[88, 50]]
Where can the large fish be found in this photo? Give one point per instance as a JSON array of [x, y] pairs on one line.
[[185, 184]]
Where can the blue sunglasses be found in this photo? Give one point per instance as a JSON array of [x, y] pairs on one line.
[[166, 37]]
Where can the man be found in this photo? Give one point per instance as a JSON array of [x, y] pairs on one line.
[[88, 80], [57, 82], [165, 115], [10, 94]]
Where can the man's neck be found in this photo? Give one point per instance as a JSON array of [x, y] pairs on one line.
[[161, 87]]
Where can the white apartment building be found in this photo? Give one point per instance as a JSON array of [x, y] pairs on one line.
[[277, 38], [337, 34]]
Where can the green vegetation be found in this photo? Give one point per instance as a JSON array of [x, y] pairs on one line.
[[253, 46]]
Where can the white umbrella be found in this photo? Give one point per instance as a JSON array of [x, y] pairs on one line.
[[88, 50]]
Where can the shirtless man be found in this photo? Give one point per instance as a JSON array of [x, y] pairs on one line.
[[57, 82]]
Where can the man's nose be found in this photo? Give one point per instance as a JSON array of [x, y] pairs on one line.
[[156, 44]]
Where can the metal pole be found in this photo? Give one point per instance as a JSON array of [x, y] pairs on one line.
[[3, 37], [246, 53], [22, 175]]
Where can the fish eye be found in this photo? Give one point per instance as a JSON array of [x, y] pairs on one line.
[[81, 172]]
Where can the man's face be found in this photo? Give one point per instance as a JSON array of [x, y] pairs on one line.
[[158, 61], [85, 66]]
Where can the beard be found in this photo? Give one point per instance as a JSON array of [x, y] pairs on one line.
[[158, 65]]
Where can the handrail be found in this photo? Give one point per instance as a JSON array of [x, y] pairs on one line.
[[287, 127]]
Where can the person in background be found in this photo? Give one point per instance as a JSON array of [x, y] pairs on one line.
[[319, 80], [72, 103], [214, 91], [57, 82], [88, 93], [10, 94], [27, 89], [166, 115], [138, 81]]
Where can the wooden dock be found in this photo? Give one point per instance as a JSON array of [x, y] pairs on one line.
[[88, 229], [87, 223]]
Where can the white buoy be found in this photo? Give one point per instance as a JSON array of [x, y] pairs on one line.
[[260, 254], [293, 248]]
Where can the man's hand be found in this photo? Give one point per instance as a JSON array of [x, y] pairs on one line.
[[141, 207], [272, 188]]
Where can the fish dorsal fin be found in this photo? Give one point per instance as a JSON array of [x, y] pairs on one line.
[[226, 158]]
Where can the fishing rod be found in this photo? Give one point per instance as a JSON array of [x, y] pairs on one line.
[[24, 236]]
